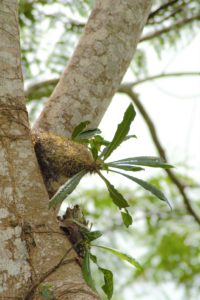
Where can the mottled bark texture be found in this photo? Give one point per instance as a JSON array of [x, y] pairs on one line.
[[97, 66], [31, 244]]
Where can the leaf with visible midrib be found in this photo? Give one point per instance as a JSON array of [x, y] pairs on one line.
[[66, 189], [147, 161], [87, 271], [124, 167], [147, 186], [122, 256], [121, 132]]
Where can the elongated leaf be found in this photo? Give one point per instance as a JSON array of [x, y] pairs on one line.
[[117, 198], [87, 271], [121, 132], [108, 278], [108, 282], [88, 134], [66, 189], [127, 219], [148, 161], [125, 167], [79, 128], [121, 255], [147, 186]]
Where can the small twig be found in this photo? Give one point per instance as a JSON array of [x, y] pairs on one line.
[[158, 76], [161, 8], [162, 153], [169, 28]]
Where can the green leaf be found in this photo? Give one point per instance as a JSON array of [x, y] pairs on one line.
[[94, 259], [101, 141], [92, 235], [88, 134], [94, 149], [126, 217], [121, 255], [148, 161], [108, 278], [108, 282], [147, 186], [121, 132], [79, 128], [124, 167], [66, 189], [117, 198], [87, 271]]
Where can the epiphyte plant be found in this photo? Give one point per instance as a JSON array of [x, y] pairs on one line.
[[101, 150]]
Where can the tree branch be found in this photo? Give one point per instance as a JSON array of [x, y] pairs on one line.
[[159, 9], [97, 66], [40, 89], [44, 88], [159, 76], [169, 28], [161, 151]]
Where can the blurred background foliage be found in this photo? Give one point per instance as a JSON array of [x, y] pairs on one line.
[[166, 243]]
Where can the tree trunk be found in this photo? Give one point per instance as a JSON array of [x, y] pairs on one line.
[[97, 67], [33, 251], [31, 244]]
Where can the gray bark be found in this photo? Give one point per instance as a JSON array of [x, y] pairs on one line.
[[97, 67], [31, 244]]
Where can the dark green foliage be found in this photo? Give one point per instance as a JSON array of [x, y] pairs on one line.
[[107, 287], [87, 271], [95, 143], [126, 217], [121, 132], [171, 240]]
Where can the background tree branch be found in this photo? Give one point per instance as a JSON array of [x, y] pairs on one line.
[[180, 186], [44, 88], [166, 29]]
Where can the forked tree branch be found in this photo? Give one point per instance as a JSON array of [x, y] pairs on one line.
[[161, 151], [96, 67]]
